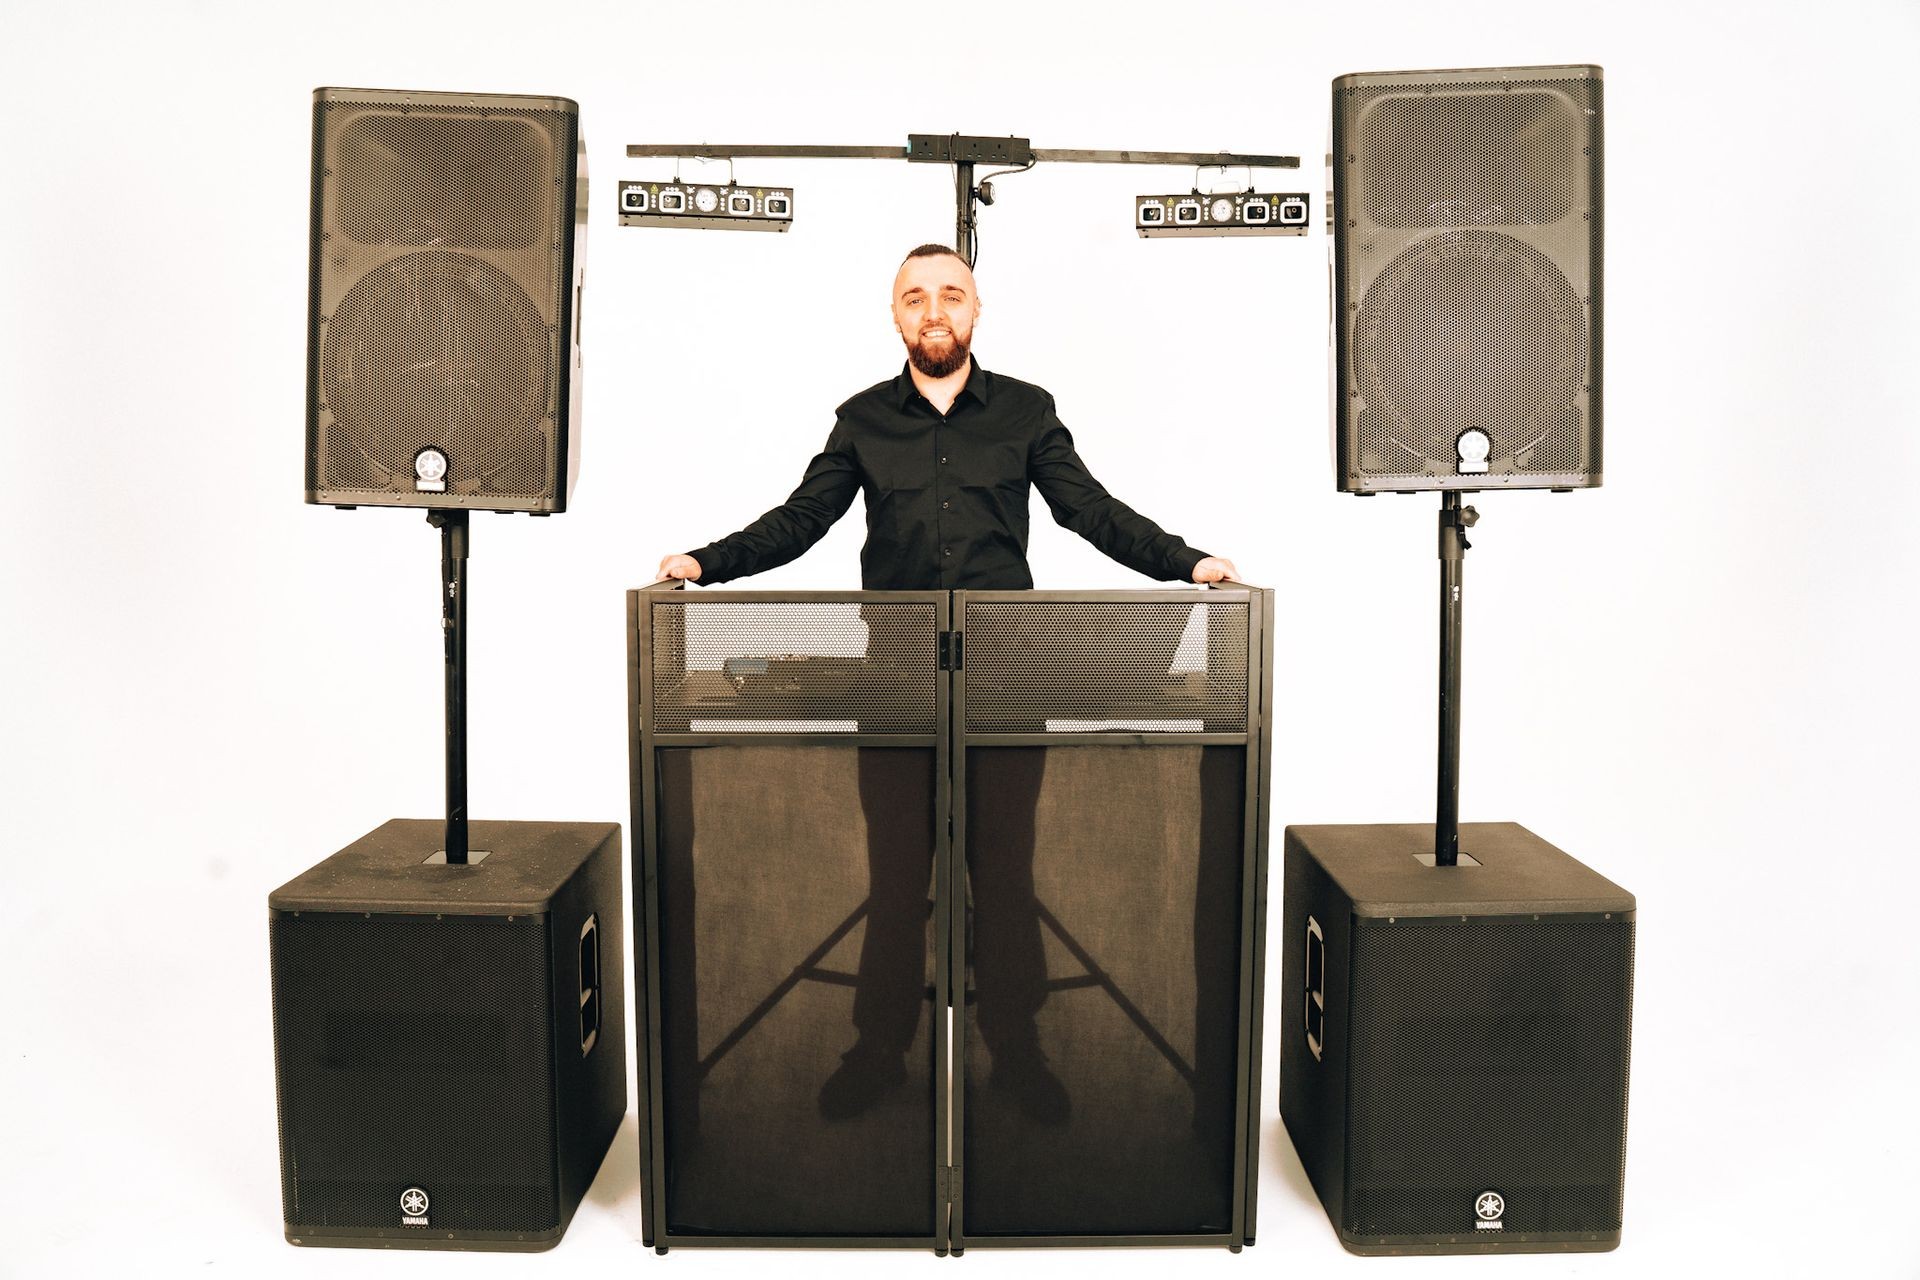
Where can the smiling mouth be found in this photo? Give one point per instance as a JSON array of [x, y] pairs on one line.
[[936, 332]]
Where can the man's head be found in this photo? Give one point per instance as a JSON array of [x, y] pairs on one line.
[[935, 303]]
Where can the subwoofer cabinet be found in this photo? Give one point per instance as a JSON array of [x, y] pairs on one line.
[[1454, 1040], [449, 1042]]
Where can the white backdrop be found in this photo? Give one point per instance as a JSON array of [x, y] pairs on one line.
[[1699, 679]]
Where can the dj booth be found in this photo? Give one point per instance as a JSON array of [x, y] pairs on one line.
[[949, 912]]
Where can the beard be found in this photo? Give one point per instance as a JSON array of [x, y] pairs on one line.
[[941, 361]]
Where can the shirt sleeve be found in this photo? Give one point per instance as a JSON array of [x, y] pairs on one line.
[[784, 533], [1081, 503]]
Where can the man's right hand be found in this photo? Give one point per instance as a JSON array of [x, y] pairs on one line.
[[679, 567]]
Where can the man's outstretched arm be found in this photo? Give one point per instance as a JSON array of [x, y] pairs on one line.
[[784, 533], [1081, 503]]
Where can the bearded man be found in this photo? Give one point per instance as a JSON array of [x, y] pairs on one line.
[[945, 455]]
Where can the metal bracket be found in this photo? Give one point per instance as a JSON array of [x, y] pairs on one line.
[[952, 653], [960, 148]]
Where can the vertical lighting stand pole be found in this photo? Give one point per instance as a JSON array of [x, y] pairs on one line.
[[1455, 520], [453, 626], [964, 211]]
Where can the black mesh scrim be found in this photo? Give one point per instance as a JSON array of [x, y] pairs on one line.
[[795, 888], [438, 349], [801, 667], [1095, 666], [424, 1024], [1475, 158], [1104, 932], [1479, 1042]]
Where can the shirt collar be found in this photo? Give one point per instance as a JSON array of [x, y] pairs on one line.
[[904, 392]]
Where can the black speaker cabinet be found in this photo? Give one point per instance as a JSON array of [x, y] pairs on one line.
[[443, 356], [449, 1046], [1454, 1039], [1466, 212]]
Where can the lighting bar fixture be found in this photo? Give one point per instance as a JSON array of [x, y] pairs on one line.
[[1247, 213], [705, 205]]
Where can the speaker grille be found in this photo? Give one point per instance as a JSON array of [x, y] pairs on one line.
[[1451, 159], [438, 349], [1470, 330], [1480, 1042], [391, 1034], [1081, 666], [1467, 277], [795, 667], [458, 182], [443, 265]]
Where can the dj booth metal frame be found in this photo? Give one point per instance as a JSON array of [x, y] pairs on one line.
[[955, 735]]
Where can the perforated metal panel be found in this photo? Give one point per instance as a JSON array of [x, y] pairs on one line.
[[1097, 666], [444, 272], [799, 667], [1467, 277]]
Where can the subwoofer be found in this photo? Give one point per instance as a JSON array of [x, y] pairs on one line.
[[1466, 209], [448, 247], [1454, 1042], [449, 1041]]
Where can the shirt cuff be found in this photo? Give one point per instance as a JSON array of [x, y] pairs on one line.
[[1183, 562], [712, 564]]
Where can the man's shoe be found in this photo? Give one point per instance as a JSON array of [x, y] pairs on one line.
[[864, 1075], [1042, 1098]]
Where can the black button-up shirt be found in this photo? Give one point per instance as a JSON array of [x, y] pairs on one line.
[[947, 495]]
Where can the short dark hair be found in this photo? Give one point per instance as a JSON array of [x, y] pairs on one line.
[[931, 251]]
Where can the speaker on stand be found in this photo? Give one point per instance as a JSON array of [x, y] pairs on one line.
[[1454, 1047], [448, 1032]]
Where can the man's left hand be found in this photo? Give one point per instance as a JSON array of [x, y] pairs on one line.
[[1213, 569]]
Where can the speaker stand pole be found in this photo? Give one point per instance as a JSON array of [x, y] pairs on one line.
[[453, 624], [1455, 520]]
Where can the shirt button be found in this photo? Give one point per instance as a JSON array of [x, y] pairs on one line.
[[945, 505], [946, 551], [943, 462]]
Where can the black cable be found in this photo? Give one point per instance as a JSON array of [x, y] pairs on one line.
[[973, 219]]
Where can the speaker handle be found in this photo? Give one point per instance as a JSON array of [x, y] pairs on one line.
[[665, 584]]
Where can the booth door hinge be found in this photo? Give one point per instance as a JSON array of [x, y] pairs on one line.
[[952, 655]]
